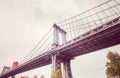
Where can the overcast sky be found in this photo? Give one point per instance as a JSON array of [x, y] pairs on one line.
[[24, 22]]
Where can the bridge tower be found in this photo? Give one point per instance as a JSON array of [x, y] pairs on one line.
[[56, 62]]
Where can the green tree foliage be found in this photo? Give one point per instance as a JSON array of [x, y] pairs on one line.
[[113, 65], [57, 74]]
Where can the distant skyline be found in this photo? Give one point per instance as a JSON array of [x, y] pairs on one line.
[[24, 22]]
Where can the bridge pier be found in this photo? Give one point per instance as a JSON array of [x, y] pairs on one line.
[[67, 69], [56, 67], [53, 62]]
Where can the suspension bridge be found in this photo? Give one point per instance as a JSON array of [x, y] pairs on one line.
[[92, 30]]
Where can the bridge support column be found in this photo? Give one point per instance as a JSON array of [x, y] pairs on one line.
[[56, 67], [53, 62], [67, 69]]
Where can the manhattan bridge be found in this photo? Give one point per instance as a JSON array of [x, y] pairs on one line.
[[89, 31]]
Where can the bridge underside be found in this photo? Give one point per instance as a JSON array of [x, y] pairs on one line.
[[104, 39]]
